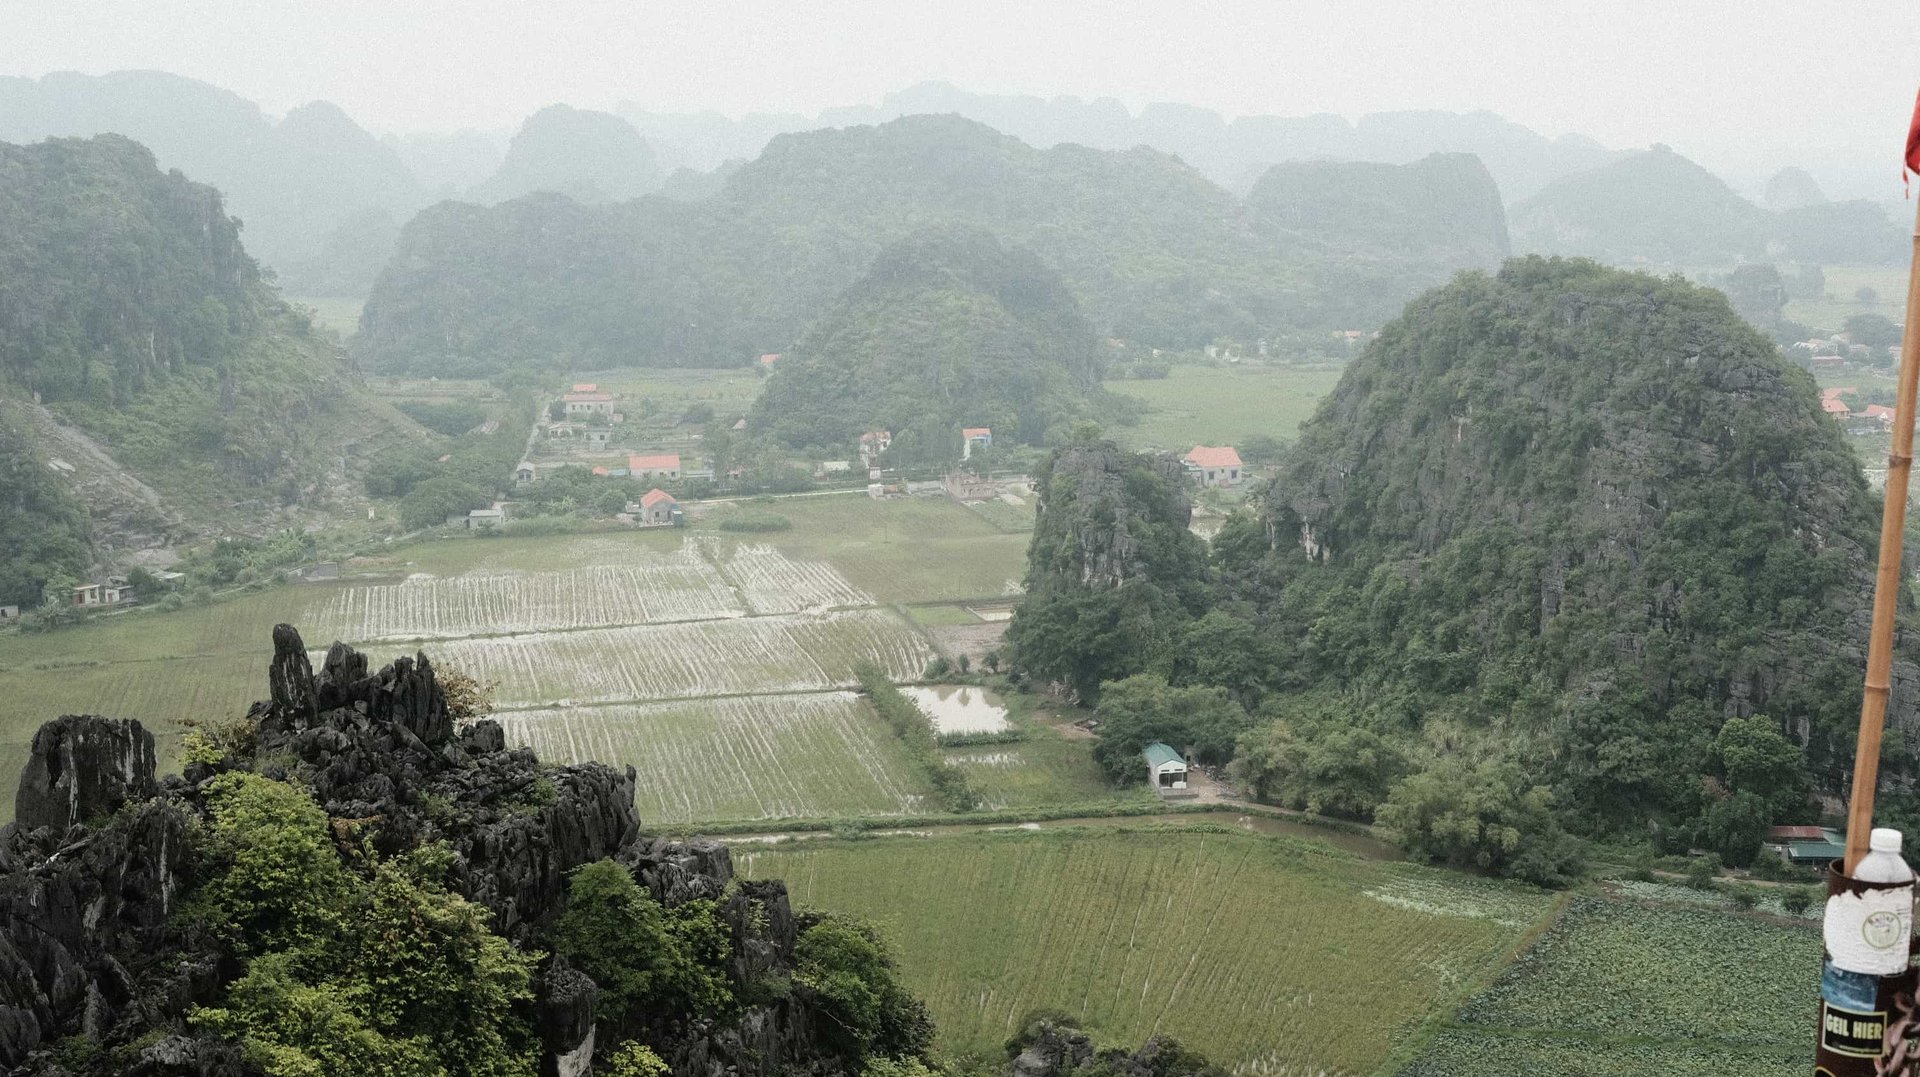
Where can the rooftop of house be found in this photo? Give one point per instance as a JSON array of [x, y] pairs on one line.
[[1833, 406], [586, 387], [654, 462], [972, 432], [1214, 456], [655, 496], [770, 358], [1877, 411], [1159, 755]]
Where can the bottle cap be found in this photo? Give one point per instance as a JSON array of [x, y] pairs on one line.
[[1884, 840]]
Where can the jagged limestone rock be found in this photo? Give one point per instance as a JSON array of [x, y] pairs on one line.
[[83, 768]]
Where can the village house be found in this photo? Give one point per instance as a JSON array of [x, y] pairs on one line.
[[1808, 846], [585, 387], [767, 360], [524, 473], [598, 437], [975, 436], [655, 466], [1214, 465], [1166, 768], [483, 519], [873, 443], [966, 486], [659, 509], [1835, 407], [111, 593], [1877, 415], [583, 405], [9, 613]]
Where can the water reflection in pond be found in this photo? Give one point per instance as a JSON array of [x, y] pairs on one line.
[[960, 708]]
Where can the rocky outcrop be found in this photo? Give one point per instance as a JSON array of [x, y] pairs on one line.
[[81, 769], [1099, 516], [99, 861], [1048, 1048]]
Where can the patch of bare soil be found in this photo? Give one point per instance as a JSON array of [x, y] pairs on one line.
[[974, 641]]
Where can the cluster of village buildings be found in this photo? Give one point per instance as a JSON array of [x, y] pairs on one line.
[[1873, 418]]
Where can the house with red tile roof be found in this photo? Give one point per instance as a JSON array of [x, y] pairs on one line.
[[587, 404], [658, 509], [767, 360], [1833, 405], [656, 466], [585, 387], [1215, 465]]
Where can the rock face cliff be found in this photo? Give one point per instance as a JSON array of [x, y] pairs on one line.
[[1112, 571], [104, 855]]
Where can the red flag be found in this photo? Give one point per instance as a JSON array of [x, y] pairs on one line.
[[1913, 142]]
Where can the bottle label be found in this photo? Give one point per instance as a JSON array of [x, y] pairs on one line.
[[1868, 931]]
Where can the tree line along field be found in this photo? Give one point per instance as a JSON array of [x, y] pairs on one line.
[[1272, 955], [1622, 985], [631, 618]]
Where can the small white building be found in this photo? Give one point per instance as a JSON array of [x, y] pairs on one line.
[[525, 472], [587, 405], [1166, 768], [1215, 465], [9, 613], [485, 519], [975, 437]]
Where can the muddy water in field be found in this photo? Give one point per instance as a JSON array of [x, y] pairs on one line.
[[960, 708]]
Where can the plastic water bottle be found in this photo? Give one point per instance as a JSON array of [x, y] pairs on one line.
[[1868, 929]]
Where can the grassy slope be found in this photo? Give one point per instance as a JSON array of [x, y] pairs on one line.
[[1223, 405], [1833, 309], [1259, 951]]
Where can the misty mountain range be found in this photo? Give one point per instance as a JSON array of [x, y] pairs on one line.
[[324, 199]]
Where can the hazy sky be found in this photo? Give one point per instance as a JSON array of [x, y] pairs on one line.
[[1745, 83]]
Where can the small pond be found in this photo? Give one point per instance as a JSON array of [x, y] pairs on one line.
[[960, 708]]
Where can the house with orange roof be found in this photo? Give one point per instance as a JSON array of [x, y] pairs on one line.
[[1215, 465], [767, 360], [972, 437], [585, 387], [655, 466], [1834, 406], [659, 509]]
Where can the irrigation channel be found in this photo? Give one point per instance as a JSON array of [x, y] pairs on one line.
[[1354, 841]]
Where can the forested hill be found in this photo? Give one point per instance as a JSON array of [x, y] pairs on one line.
[[1434, 216], [1579, 518], [294, 181], [1660, 207], [588, 156], [130, 310], [1152, 250], [950, 329]]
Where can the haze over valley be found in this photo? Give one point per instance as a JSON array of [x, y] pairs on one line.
[[1249, 565]]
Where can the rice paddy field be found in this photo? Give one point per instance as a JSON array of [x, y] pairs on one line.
[[1274, 956], [1625, 985], [1199, 405], [701, 657]]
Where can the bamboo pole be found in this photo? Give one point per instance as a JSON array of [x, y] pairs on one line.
[[1886, 589]]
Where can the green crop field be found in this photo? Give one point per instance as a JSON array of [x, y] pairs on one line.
[[1271, 955], [670, 392], [1198, 405], [1830, 312], [627, 618], [755, 757], [1622, 986]]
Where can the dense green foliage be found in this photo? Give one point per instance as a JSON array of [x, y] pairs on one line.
[[44, 531], [128, 306], [1587, 514], [871, 1015], [950, 329], [1113, 573], [1152, 250], [646, 960], [1581, 527], [1200, 722], [374, 969]]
